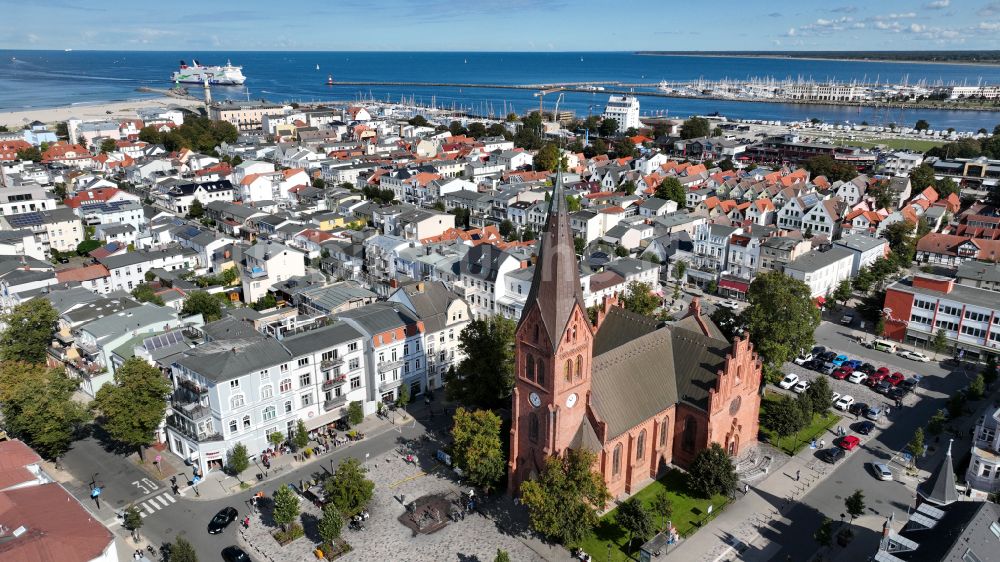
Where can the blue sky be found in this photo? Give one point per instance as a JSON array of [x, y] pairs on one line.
[[493, 25]]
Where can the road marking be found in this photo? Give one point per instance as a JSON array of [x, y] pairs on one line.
[[150, 506], [169, 497], [157, 501]]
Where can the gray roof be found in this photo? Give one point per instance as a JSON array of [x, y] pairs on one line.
[[228, 359], [65, 299], [961, 293], [139, 256], [137, 318], [229, 328], [860, 242], [381, 316], [334, 296], [268, 248], [95, 308], [430, 300], [483, 262], [311, 341], [979, 271], [815, 260], [783, 243], [939, 488]]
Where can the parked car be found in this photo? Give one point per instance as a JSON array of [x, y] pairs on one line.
[[234, 554], [813, 365], [832, 455], [896, 378], [840, 374], [909, 384], [875, 379], [847, 319], [897, 393], [732, 305], [857, 408], [839, 360], [913, 355], [834, 396], [818, 350], [866, 368], [857, 377], [801, 386], [803, 359], [853, 363], [827, 356], [222, 519], [881, 471], [882, 372], [864, 427], [789, 381], [873, 413], [848, 442], [883, 387], [844, 402]]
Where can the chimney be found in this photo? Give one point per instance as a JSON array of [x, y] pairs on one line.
[[694, 309], [607, 303]]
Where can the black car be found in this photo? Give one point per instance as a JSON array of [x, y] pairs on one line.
[[867, 369], [832, 455], [827, 356], [222, 520], [858, 408], [818, 350], [897, 393], [908, 385], [865, 427], [884, 387], [234, 554], [813, 365]]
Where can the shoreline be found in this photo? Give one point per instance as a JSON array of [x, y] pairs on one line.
[[813, 58], [90, 110]]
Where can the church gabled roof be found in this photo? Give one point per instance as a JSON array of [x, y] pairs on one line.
[[939, 488], [555, 288]]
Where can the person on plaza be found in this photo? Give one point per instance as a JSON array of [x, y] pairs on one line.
[[797, 475]]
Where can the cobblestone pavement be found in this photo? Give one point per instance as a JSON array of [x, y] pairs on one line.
[[477, 537]]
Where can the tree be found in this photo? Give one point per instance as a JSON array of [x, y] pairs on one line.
[[843, 292], [476, 130], [573, 204], [200, 302], [634, 518], [485, 377], [663, 506], [781, 317], [132, 520], [855, 504], [625, 148], [672, 190], [916, 445], [599, 146], [833, 170], [403, 398], [237, 460], [132, 407], [922, 125], [456, 128], [477, 448], [286, 507], [946, 187], [695, 127], [639, 299], [276, 439], [902, 242], [355, 413], [977, 388], [182, 551], [727, 165], [621, 251], [28, 331], [990, 370], [939, 342], [348, 489], [549, 158], [196, 210], [819, 394], [330, 525], [265, 302], [150, 134], [564, 499], [727, 321], [824, 534], [679, 271], [506, 228], [418, 121], [712, 472], [32, 154], [782, 416], [501, 556], [37, 405], [87, 246], [608, 127], [301, 437], [108, 145], [579, 244], [143, 292]]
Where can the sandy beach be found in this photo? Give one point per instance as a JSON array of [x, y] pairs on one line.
[[90, 112]]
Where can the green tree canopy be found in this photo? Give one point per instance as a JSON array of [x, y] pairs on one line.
[[819, 395], [501, 556], [355, 413], [28, 332], [237, 459], [196, 210], [638, 298], [485, 377], [348, 488], [922, 125], [922, 177], [477, 448], [133, 519], [37, 405], [564, 500], [143, 292], [833, 170], [824, 534], [87, 246], [200, 302], [506, 228], [712, 472], [782, 416], [330, 525], [608, 128], [672, 190], [549, 158], [182, 551], [418, 121], [855, 504], [695, 127], [200, 134], [662, 506], [301, 436], [635, 519], [781, 317], [843, 292], [132, 407], [30, 154], [108, 145], [286, 507], [150, 134]]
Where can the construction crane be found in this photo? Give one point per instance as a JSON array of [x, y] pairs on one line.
[[555, 113], [541, 97]]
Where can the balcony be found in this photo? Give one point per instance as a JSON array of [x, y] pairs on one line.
[[88, 347], [178, 425], [387, 366], [330, 383], [328, 364], [190, 410], [85, 368], [192, 386], [389, 385], [335, 402]]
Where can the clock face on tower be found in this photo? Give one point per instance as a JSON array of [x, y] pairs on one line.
[[535, 400], [571, 400]]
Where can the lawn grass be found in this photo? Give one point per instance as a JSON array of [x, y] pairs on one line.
[[793, 443], [689, 509]]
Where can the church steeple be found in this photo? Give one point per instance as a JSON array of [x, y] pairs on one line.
[[555, 288]]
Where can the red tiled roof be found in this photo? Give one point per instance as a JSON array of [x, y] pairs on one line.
[[58, 527], [14, 457], [83, 273], [99, 194]]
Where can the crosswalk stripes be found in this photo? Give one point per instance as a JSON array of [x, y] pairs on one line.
[[155, 503]]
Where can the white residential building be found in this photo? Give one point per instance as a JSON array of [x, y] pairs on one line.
[[822, 271], [267, 263], [625, 110]]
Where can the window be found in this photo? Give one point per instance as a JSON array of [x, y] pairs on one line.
[[303, 362], [974, 332], [235, 383], [977, 316], [616, 460], [305, 379], [285, 386], [640, 445], [268, 413], [307, 399], [355, 382], [288, 406], [233, 426], [353, 346], [535, 332], [568, 370], [579, 366], [533, 428], [246, 421], [540, 372], [328, 355], [529, 368], [284, 368], [354, 364], [664, 426], [690, 434], [237, 401], [266, 391], [406, 349]]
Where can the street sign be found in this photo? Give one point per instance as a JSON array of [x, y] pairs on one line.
[[195, 480], [95, 492]]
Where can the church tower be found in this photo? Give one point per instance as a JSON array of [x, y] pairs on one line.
[[554, 341]]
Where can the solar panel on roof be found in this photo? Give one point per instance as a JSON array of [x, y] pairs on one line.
[[930, 511], [922, 520], [163, 340], [25, 219]]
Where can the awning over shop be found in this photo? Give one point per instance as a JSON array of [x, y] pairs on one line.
[[739, 286], [323, 419]]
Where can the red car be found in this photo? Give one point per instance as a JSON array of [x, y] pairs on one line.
[[876, 378], [849, 443], [896, 378], [840, 374], [883, 371]]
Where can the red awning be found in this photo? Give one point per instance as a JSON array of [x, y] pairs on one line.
[[820, 301], [734, 285]]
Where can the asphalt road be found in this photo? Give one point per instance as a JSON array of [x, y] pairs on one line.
[[826, 499]]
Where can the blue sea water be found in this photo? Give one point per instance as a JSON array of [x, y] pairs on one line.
[[56, 78]]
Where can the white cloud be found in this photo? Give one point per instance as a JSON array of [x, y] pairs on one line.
[[937, 4]]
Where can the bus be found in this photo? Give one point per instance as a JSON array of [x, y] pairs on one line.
[[884, 345]]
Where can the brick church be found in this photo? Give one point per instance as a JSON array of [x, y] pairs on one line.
[[640, 395]]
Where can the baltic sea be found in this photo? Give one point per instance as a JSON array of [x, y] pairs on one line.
[[57, 78]]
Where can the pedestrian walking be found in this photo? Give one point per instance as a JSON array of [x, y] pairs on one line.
[[822, 443], [797, 475]]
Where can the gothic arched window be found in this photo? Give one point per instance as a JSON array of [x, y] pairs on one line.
[[664, 426], [579, 367], [540, 371], [689, 435], [640, 445], [568, 370], [533, 428], [535, 336], [616, 460], [529, 368]]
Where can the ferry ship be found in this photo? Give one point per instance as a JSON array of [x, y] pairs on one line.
[[195, 73]]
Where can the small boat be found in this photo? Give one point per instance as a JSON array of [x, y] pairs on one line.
[[317, 67], [329, 80]]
